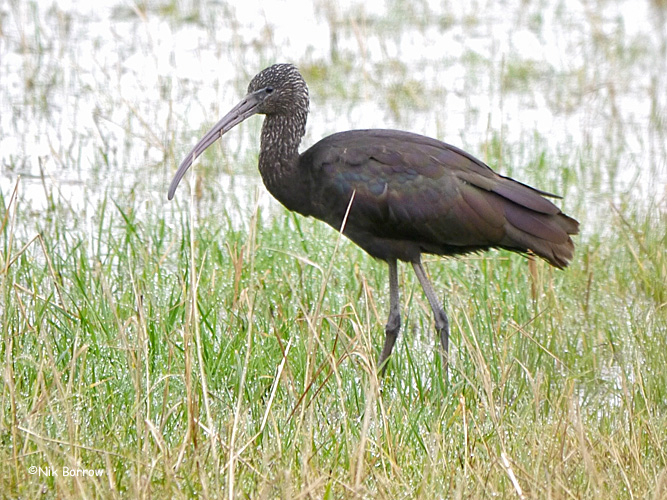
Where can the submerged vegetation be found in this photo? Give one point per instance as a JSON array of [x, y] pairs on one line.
[[220, 346]]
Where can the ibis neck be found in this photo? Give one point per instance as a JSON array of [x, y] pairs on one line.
[[279, 152], [279, 158]]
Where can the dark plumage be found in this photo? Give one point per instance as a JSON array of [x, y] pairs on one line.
[[407, 194]]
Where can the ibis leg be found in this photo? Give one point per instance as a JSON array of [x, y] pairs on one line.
[[394, 322], [441, 321]]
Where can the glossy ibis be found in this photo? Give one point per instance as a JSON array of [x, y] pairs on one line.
[[407, 194]]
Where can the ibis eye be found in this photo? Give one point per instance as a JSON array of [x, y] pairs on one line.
[[268, 90]]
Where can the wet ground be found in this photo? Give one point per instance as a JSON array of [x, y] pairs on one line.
[[104, 99]]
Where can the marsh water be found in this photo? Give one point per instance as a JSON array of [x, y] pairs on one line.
[[101, 99]]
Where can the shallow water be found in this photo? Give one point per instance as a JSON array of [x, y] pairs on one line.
[[105, 99]]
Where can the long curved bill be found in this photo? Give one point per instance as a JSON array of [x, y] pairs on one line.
[[246, 108]]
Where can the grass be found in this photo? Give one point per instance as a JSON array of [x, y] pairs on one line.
[[197, 359], [215, 347]]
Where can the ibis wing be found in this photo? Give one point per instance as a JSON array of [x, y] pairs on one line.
[[412, 188]]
